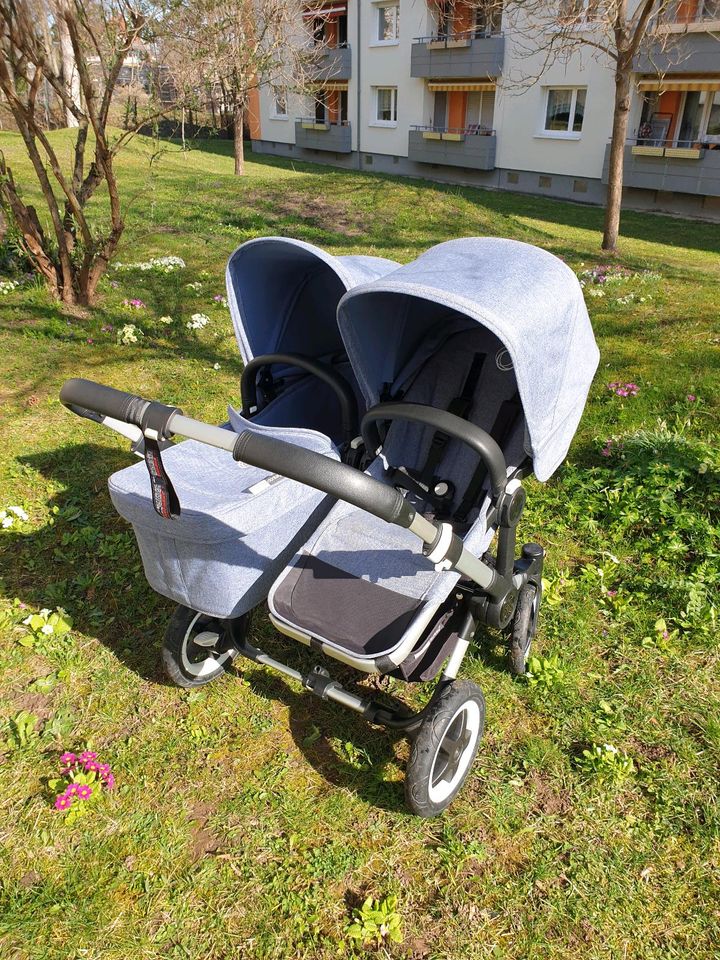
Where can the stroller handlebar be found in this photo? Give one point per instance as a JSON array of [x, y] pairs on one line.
[[95, 401]]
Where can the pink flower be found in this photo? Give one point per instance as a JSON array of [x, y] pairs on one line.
[[612, 593], [62, 801], [110, 782], [134, 302], [605, 452], [72, 790], [104, 769], [91, 766], [90, 340], [87, 755], [68, 757], [84, 791], [691, 398], [107, 328]]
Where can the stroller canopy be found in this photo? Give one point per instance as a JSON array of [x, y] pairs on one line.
[[283, 295], [528, 298]]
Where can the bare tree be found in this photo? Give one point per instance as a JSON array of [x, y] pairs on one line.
[[239, 46], [617, 31], [76, 254]]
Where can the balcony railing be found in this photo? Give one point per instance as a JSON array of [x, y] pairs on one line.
[[670, 166], [335, 136], [471, 53], [472, 146], [464, 37], [330, 63]]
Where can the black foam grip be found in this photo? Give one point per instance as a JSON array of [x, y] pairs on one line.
[[330, 476], [107, 401]]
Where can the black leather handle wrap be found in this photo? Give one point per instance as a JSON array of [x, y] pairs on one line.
[[331, 477], [478, 440], [86, 396]]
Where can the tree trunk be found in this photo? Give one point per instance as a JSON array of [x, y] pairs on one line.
[[71, 77], [621, 116], [238, 117], [182, 127]]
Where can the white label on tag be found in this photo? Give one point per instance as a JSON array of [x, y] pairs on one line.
[[262, 485]]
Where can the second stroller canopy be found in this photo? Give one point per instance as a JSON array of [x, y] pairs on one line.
[[529, 299]]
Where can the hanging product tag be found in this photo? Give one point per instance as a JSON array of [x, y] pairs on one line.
[[164, 498]]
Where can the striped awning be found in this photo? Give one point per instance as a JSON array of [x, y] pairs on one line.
[[686, 83], [329, 85], [467, 87], [329, 11]]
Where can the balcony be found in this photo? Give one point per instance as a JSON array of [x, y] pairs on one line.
[[315, 134], [471, 147], [656, 165], [458, 56], [330, 63], [686, 44]]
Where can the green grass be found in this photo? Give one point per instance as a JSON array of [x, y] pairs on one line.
[[252, 820]]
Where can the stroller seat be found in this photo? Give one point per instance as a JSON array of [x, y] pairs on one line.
[[361, 587]]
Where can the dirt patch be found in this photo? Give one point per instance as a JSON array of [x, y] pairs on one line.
[[547, 800], [650, 751], [202, 839], [330, 215], [35, 703]]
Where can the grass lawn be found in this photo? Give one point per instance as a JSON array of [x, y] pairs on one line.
[[249, 819]]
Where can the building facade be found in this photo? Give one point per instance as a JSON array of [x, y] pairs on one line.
[[428, 89]]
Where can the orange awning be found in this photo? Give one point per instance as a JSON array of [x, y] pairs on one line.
[[684, 83], [462, 86]]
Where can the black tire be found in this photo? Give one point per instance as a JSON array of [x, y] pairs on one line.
[[524, 627], [189, 663], [434, 774]]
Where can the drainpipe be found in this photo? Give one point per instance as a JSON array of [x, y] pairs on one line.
[[358, 3]]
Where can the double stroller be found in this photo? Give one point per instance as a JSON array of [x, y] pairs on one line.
[[389, 415]]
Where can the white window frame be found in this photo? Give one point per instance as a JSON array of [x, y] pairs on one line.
[[375, 122], [377, 7], [274, 115], [568, 134], [704, 120]]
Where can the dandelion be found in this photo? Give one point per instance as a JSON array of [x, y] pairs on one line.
[[197, 321]]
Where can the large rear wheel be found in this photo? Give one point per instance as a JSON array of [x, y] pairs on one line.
[[444, 748]]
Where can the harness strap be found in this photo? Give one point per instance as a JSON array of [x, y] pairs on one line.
[[504, 421], [460, 407]]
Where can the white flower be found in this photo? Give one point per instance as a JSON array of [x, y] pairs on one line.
[[194, 286], [19, 512], [7, 286], [609, 748], [129, 334], [27, 620], [197, 321], [47, 629], [165, 319], [45, 612], [8, 522], [216, 366], [157, 264]]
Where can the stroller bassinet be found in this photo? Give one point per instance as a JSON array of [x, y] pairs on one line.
[[235, 532]]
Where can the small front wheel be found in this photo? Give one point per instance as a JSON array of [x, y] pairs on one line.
[[198, 648], [444, 748]]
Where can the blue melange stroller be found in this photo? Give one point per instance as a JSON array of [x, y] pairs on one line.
[[218, 558], [475, 361]]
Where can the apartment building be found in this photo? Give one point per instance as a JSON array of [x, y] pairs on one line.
[[430, 89]]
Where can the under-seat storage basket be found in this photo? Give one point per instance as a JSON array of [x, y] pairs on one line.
[[238, 527]]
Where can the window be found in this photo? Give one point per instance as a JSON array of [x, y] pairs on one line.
[[578, 11], [385, 106], [700, 118], [279, 105], [564, 111], [387, 23]]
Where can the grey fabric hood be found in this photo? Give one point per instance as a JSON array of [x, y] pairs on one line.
[[527, 297], [283, 295]]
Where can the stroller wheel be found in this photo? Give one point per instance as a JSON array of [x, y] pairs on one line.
[[444, 748], [197, 648], [524, 626]]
